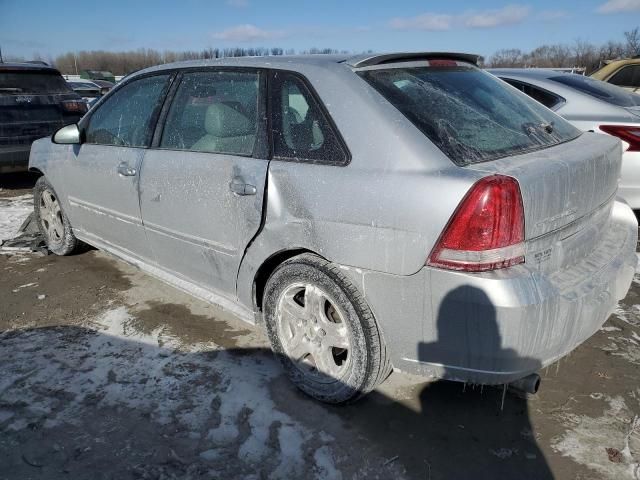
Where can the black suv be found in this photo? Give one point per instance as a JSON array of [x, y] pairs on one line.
[[35, 101]]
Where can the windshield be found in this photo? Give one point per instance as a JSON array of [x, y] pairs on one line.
[[32, 83], [469, 114], [601, 90]]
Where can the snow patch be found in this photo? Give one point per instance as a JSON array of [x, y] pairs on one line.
[[610, 329], [193, 387], [14, 211], [587, 439]]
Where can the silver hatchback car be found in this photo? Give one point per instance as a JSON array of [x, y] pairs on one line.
[[404, 211]]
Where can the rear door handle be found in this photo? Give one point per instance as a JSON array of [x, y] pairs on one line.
[[238, 187], [125, 170]]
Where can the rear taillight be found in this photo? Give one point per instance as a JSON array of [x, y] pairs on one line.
[[74, 106], [628, 134], [486, 232], [442, 62]]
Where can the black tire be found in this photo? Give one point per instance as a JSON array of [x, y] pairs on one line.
[[369, 364], [63, 243]]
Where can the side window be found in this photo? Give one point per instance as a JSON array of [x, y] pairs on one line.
[[301, 131], [628, 76], [214, 112], [125, 118], [547, 99]]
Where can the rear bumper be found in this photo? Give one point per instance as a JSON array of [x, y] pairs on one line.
[[496, 327], [14, 158]]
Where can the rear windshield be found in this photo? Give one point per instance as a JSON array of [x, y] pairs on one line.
[[601, 90], [470, 114], [30, 82]]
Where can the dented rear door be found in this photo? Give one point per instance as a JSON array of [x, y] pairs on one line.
[[202, 186]]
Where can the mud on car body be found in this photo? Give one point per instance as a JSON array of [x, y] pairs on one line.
[[35, 101], [402, 211]]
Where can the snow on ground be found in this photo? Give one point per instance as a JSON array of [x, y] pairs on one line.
[[13, 211], [609, 444], [219, 399]]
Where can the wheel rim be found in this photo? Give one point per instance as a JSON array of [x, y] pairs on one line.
[[313, 332], [51, 217]]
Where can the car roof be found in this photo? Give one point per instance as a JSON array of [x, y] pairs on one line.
[[16, 66], [83, 82], [540, 73], [301, 62], [625, 61]]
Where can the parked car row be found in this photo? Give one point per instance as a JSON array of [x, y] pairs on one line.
[[406, 211], [35, 101], [90, 90], [592, 106]]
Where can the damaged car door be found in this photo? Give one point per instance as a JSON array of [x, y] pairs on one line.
[[203, 180], [102, 179]]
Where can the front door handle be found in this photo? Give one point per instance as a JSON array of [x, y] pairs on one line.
[[125, 170], [238, 187]]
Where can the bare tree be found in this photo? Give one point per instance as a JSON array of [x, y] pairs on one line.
[[507, 58], [633, 42], [586, 55]]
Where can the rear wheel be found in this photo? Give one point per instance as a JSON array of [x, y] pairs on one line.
[[323, 331], [53, 223]]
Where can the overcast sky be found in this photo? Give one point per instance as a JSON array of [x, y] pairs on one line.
[[53, 27]]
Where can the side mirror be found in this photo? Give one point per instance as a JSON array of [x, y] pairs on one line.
[[69, 135]]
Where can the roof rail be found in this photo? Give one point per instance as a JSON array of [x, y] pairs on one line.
[[367, 60]]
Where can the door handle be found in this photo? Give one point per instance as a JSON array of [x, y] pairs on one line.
[[238, 187], [125, 170]]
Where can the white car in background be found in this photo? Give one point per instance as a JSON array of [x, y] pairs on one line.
[[591, 105]]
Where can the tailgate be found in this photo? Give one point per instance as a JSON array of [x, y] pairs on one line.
[[26, 117]]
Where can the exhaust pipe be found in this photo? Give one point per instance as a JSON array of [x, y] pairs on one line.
[[528, 384]]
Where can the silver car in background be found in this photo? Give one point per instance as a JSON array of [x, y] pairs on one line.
[[405, 211], [593, 106]]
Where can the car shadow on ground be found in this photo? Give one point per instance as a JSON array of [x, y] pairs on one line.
[[107, 401]]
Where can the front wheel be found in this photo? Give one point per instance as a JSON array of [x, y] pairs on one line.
[[52, 222], [323, 331]]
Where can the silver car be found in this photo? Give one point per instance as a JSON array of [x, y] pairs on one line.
[[404, 211], [590, 105]]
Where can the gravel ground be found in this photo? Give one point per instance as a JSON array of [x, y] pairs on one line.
[[108, 373]]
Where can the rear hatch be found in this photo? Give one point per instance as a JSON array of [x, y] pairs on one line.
[[568, 179], [32, 104]]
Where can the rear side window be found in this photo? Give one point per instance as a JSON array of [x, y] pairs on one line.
[[214, 112], [301, 128], [546, 98], [600, 90], [125, 118], [468, 113], [30, 83], [628, 76]]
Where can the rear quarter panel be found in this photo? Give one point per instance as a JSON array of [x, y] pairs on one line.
[[383, 211]]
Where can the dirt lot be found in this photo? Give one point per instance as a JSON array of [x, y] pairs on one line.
[[108, 373]]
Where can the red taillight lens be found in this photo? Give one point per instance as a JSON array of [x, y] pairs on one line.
[[441, 62], [486, 232], [74, 106], [629, 134]]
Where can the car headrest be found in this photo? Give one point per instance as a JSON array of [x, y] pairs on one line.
[[222, 120]]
